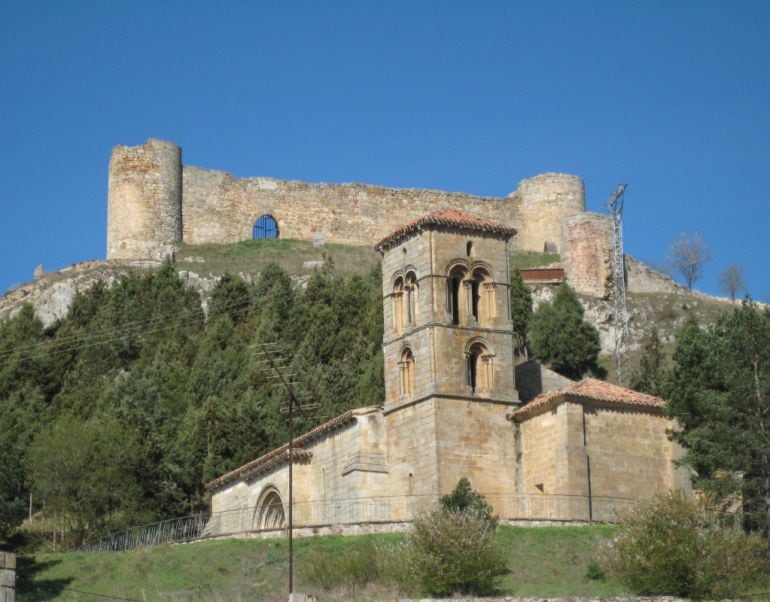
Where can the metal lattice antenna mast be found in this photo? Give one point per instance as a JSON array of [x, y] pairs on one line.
[[615, 208]]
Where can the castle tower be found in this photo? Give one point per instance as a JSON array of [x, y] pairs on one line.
[[587, 253], [546, 199], [144, 206], [448, 349]]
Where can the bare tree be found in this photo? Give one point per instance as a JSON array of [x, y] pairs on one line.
[[687, 255], [731, 281]]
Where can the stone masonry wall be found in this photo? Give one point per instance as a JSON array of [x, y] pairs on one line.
[[587, 253], [144, 208], [545, 201], [154, 202], [7, 577], [218, 208]]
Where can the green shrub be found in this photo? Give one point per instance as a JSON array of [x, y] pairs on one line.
[[464, 499], [670, 545], [455, 552]]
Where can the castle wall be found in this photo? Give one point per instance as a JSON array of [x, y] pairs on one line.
[[587, 253], [155, 203], [221, 209], [144, 207]]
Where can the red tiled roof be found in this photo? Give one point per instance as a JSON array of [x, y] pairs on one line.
[[447, 218], [542, 274], [589, 389], [280, 455]]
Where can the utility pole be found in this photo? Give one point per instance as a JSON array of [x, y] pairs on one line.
[[615, 208], [269, 356]]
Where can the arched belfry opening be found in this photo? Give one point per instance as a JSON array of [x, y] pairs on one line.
[[269, 513], [265, 227]]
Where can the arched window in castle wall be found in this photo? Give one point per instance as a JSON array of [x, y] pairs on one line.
[[410, 305], [265, 227], [269, 512], [398, 305], [407, 368], [479, 368]]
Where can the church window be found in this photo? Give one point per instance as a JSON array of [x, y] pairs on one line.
[[269, 513], [483, 296], [397, 305], [468, 248], [265, 227], [410, 287], [479, 371], [454, 284], [406, 365]]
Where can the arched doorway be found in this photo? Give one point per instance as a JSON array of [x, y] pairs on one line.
[[269, 513], [265, 227]]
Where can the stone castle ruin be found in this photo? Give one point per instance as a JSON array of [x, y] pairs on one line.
[[156, 202]]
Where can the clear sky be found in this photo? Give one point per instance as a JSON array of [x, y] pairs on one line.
[[671, 97]]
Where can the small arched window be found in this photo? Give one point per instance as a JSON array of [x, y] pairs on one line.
[[407, 367], [410, 291], [265, 227], [397, 305], [479, 369]]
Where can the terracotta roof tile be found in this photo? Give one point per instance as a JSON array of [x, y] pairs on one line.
[[589, 389], [447, 218]]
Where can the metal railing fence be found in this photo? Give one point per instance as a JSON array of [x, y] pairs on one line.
[[354, 511]]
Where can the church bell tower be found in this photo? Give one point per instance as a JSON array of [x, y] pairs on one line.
[[448, 348]]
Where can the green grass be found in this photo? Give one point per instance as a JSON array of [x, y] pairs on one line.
[[544, 561], [530, 259], [251, 256]]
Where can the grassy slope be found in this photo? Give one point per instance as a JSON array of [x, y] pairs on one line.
[[251, 256], [545, 561]]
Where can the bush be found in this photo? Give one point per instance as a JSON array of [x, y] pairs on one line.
[[672, 546], [464, 499], [455, 552]]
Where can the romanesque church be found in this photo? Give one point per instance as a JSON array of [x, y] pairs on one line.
[[538, 446]]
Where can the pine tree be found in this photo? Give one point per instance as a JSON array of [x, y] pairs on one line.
[[648, 377], [719, 393], [562, 338]]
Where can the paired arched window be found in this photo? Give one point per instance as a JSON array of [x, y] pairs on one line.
[[471, 295], [407, 368], [404, 301], [269, 513], [479, 368], [265, 227]]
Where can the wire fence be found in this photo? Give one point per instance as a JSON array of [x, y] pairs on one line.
[[271, 518]]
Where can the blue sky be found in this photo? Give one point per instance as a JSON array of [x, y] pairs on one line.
[[671, 97]]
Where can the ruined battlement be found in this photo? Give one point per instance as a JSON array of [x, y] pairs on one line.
[[155, 202]]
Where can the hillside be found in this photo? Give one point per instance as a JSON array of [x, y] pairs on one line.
[[544, 561], [653, 298]]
